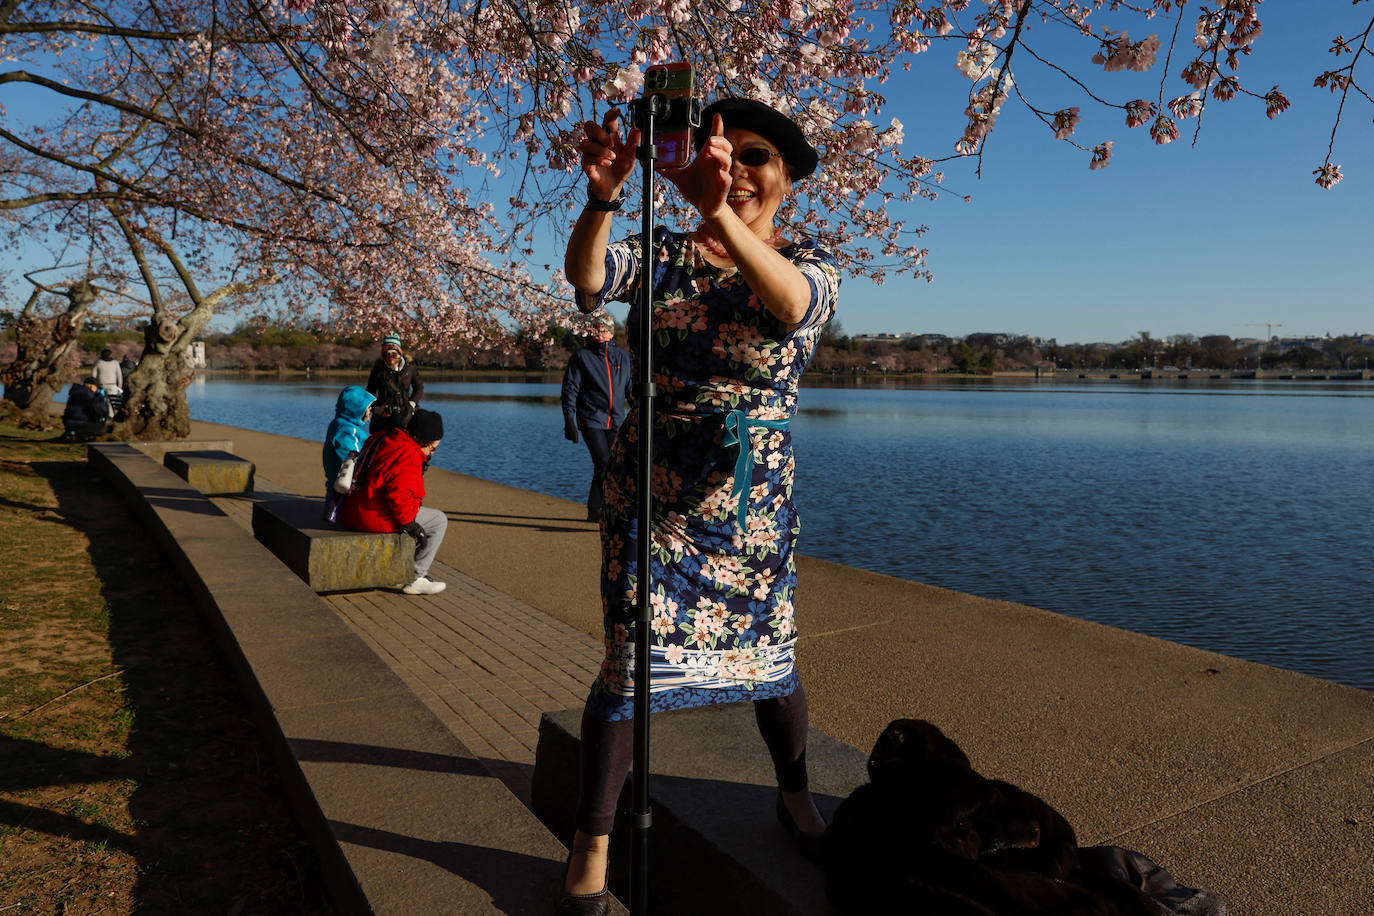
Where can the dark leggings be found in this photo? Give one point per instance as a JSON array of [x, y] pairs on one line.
[[608, 752], [599, 442]]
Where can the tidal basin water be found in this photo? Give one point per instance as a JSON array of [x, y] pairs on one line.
[[1233, 516]]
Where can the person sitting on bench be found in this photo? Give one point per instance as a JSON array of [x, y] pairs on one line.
[[389, 488], [86, 415]]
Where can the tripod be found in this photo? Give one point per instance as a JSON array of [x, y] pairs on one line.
[[645, 114]]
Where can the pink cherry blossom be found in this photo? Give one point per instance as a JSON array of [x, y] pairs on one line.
[[1102, 154], [1139, 112], [1275, 103], [1186, 106], [1065, 121], [1118, 52], [1164, 130], [1328, 175]]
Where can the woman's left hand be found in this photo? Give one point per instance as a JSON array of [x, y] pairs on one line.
[[705, 182]]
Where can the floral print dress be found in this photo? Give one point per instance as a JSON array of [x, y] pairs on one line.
[[723, 576]]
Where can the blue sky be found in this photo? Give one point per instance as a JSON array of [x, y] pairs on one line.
[[1205, 239], [1217, 238]]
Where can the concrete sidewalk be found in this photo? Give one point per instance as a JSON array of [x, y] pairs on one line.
[[488, 665], [1255, 782]]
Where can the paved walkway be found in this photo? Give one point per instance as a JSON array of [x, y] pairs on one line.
[[1244, 779], [488, 665]]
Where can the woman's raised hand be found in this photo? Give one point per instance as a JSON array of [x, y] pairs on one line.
[[607, 159], [705, 183]]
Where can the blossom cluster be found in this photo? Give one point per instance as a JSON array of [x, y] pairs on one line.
[[1118, 52], [388, 163]]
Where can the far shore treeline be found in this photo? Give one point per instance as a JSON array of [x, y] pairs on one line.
[[257, 345]]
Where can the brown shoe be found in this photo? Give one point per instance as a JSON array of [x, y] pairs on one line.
[[598, 904]]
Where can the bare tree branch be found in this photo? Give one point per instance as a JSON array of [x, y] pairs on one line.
[[1348, 85], [140, 258], [18, 203], [7, 8], [89, 28]]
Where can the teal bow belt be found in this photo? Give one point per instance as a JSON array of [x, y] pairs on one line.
[[737, 427]]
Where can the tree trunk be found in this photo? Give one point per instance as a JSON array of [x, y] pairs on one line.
[[155, 393], [39, 370]]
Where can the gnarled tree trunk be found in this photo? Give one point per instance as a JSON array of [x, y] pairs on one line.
[[155, 393], [39, 369]]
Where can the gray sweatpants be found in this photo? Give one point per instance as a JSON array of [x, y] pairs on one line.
[[435, 524]]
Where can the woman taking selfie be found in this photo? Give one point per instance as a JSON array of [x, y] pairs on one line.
[[737, 309]]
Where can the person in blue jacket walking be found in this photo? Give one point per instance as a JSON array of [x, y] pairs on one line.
[[347, 432], [596, 386]]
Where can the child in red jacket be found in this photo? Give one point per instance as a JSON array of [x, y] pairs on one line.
[[389, 488]]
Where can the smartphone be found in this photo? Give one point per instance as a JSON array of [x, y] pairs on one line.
[[673, 131]]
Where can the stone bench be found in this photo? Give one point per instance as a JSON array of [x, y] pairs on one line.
[[404, 817], [211, 471], [330, 558], [158, 449], [712, 792]]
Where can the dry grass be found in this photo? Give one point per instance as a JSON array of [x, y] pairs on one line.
[[131, 780]]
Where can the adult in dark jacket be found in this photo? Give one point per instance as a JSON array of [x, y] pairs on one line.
[[396, 384], [86, 414], [389, 489], [596, 386]]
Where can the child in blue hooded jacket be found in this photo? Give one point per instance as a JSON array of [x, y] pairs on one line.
[[346, 433]]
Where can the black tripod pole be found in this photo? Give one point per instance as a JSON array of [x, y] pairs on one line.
[[641, 815]]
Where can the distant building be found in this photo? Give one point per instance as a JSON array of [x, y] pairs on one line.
[[195, 354], [887, 338]]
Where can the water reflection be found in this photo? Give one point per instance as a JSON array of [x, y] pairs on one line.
[[1236, 517]]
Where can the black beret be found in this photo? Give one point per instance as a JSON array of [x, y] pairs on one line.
[[774, 126], [426, 426]]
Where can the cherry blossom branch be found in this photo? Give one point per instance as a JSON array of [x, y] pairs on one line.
[[311, 88], [1007, 53], [140, 259], [1169, 55], [1346, 84], [203, 306], [1213, 72], [170, 123], [20, 203], [1044, 116], [136, 194], [1071, 78]]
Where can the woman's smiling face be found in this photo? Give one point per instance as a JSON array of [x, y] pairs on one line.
[[756, 192]]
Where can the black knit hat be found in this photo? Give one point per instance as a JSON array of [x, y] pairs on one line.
[[774, 126], [426, 426]]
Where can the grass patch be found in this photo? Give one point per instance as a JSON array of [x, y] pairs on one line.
[[131, 779]]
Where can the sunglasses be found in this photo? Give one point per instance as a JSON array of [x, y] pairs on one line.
[[755, 156]]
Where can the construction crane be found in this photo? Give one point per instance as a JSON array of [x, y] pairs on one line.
[[1268, 327]]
